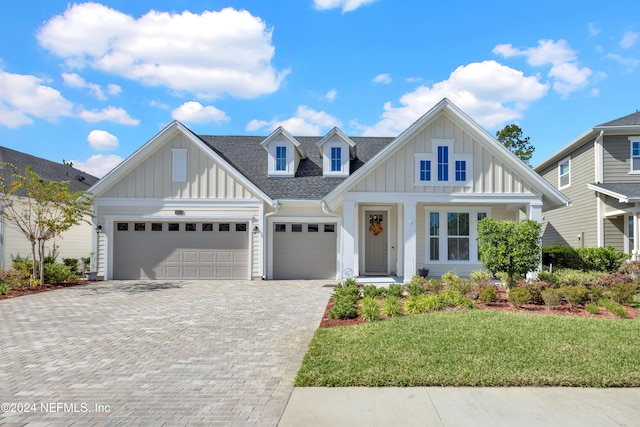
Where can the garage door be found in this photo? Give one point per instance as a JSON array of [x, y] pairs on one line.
[[304, 251], [186, 250]]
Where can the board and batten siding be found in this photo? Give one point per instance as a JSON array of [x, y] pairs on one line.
[[616, 158], [564, 225], [397, 173], [205, 178]]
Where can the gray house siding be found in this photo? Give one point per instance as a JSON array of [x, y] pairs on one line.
[[614, 232], [616, 156], [564, 225]]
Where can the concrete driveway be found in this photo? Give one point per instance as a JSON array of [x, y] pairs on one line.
[[156, 352]]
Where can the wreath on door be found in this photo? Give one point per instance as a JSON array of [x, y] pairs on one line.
[[376, 226]]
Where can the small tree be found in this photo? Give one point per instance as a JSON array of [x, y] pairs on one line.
[[511, 137], [509, 247], [41, 209]]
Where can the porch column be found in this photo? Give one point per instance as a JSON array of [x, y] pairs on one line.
[[409, 241], [636, 240], [349, 240]]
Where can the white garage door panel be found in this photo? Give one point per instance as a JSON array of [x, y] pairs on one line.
[[181, 254], [304, 254]]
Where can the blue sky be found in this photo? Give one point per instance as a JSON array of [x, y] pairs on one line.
[[92, 82]]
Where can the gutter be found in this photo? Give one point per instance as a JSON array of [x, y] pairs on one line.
[[327, 211]]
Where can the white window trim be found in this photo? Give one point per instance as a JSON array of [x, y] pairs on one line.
[[568, 161], [473, 233], [632, 139], [344, 160], [273, 147], [451, 167], [179, 164]]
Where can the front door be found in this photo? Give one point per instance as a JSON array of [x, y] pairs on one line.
[[375, 242]]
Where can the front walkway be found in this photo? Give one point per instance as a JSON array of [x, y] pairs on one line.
[[155, 352]]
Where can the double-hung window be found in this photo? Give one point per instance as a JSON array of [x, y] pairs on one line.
[[635, 154], [564, 173], [458, 236], [336, 159], [425, 170], [461, 170], [443, 163], [434, 236], [281, 158]]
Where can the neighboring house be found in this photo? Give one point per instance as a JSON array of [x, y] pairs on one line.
[[600, 172], [287, 207], [74, 243]]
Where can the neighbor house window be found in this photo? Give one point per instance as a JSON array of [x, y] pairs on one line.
[[564, 173], [458, 236], [336, 159], [425, 170], [281, 158], [635, 154], [443, 163], [434, 236]]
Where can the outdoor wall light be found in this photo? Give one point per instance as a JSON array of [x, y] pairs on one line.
[[256, 230]]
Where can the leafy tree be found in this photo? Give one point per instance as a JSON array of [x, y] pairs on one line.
[[509, 247], [511, 137], [41, 209]]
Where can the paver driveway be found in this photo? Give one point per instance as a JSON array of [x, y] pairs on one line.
[[155, 352]]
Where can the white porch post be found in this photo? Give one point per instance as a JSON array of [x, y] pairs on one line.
[[409, 241], [636, 240], [349, 264]]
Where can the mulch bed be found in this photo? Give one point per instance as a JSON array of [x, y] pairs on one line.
[[18, 292], [501, 305]]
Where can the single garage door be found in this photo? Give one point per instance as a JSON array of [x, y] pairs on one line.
[[181, 250], [304, 251]]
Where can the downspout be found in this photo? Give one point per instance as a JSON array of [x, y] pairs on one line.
[[265, 242], [599, 178], [327, 211]]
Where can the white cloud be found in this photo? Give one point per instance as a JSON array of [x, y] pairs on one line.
[[413, 79], [207, 54], [346, 5], [102, 140], [629, 39], [331, 95], [110, 114], [159, 104], [382, 78], [488, 91], [630, 64], [593, 30], [23, 97], [74, 80], [566, 72], [306, 121], [113, 89], [194, 112], [98, 165]]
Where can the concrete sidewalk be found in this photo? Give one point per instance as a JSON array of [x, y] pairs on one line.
[[452, 406]]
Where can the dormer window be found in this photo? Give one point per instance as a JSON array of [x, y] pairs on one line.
[[448, 168], [281, 158], [336, 159]]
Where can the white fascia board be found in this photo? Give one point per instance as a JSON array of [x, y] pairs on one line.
[[125, 201], [621, 197], [168, 218], [463, 198], [566, 150], [340, 134], [280, 131]]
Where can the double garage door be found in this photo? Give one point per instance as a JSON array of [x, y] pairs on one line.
[[181, 250], [304, 250]]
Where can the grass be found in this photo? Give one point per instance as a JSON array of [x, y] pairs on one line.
[[476, 348]]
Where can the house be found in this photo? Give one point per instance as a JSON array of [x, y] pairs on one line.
[[326, 207], [75, 242], [599, 172]]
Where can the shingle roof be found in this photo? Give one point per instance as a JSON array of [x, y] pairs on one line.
[[80, 181], [626, 190], [246, 155], [632, 119]]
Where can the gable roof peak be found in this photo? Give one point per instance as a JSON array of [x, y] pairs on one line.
[[632, 119], [280, 131], [340, 134]]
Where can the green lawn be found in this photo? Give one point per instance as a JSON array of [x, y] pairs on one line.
[[476, 348]]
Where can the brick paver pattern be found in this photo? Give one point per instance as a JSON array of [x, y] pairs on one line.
[[156, 352]]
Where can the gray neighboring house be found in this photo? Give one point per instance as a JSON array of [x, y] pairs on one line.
[[297, 207], [599, 172], [76, 242]]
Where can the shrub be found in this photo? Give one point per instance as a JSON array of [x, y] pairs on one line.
[[631, 268], [395, 289], [430, 303], [72, 264], [551, 297], [487, 294], [57, 273], [623, 293], [370, 310], [449, 298], [607, 259], [5, 288], [392, 306], [609, 280], [547, 276], [504, 278], [449, 278], [372, 291], [412, 305], [24, 265], [535, 288], [595, 292], [572, 277], [561, 256], [14, 278], [615, 308], [350, 281], [480, 276], [416, 287], [519, 296], [574, 295], [592, 308], [434, 286], [343, 309], [351, 292]]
